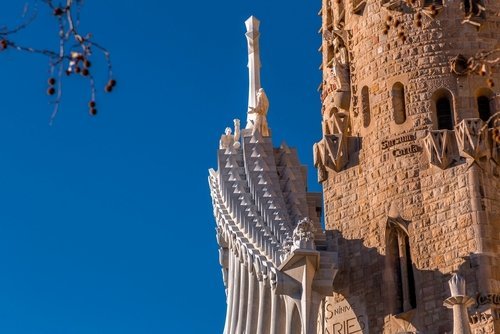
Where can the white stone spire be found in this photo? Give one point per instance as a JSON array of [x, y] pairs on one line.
[[252, 35]]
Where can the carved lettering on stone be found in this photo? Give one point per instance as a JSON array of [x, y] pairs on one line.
[[344, 317]]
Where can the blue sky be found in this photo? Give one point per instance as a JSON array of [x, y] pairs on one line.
[[106, 222]]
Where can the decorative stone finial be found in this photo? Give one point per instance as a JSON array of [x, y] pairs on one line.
[[258, 104], [457, 285], [252, 34], [459, 303]]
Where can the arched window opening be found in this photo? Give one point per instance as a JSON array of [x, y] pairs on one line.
[[365, 105], [398, 103], [486, 104], [400, 269], [442, 109], [444, 116], [473, 7], [483, 106]]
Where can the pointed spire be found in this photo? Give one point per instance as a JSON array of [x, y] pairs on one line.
[[252, 34]]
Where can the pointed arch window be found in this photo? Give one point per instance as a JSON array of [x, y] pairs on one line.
[[400, 266]]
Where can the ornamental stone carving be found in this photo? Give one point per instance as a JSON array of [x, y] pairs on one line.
[[441, 148], [459, 302], [472, 140], [303, 235]]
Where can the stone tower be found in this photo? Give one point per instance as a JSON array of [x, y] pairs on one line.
[[277, 262], [409, 163]]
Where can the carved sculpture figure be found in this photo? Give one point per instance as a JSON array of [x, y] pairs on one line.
[[227, 139], [303, 235], [340, 74], [340, 68], [236, 143], [338, 13], [260, 111]]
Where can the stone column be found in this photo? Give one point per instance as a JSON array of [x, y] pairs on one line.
[[264, 307], [252, 305], [459, 303], [230, 288], [236, 295], [242, 312], [274, 313]]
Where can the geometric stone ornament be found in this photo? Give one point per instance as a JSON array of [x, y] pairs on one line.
[[336, 151], [441, 148], [472, 139], [335, 123]]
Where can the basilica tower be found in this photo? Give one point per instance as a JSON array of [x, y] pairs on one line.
[[409, 162]]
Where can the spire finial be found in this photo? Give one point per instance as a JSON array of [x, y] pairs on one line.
[[258, 104], [252, 36]]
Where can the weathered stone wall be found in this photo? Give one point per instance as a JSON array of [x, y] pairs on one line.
[[452, 214]]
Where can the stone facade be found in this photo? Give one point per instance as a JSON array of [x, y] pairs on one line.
[[411, 178], [409, 163]]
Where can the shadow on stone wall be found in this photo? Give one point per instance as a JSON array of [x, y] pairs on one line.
[[369, 294]]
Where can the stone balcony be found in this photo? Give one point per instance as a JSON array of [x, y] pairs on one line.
[[471, 140]]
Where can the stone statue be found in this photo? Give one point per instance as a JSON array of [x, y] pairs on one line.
[[260, 113], [236, 143], [338, 14], [303, 235], [227, 139], [341, 74], [340, 67]]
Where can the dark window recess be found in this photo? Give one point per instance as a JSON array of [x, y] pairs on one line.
[[474, 7], [483, 106], [402, 295], [411, 278], [428, 3], [444, 115], [365, 105], [398, 103]]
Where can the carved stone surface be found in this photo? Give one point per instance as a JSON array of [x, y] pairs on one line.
[[472, 141], [303, 235], [451, 196], [441, 148]]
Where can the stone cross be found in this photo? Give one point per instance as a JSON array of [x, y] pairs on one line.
[[252, 35]]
